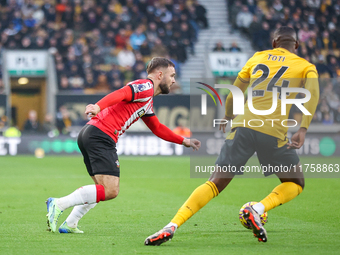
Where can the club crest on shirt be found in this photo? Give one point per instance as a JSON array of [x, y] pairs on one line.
[[141, 113], [117, 163]]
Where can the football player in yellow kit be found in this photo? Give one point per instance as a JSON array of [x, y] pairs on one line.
[[266, 72]]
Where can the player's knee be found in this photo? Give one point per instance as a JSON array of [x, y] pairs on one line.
[[299, 181], [111, 193], [220, 183]]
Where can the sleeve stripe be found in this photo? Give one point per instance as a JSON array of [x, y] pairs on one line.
[[133, 93], [310, 72], [212, 188], [242, 80], [149, 115], [143, 99]]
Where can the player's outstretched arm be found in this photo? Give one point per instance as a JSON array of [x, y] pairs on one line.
[[312, 84], [166, 133], [123, 94]]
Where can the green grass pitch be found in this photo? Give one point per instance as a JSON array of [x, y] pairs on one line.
[[152, 190]]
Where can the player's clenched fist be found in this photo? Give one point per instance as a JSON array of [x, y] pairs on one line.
[[92, 110]]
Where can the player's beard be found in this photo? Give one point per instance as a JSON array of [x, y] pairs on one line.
[[164, 88]]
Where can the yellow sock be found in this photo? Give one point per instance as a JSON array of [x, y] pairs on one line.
[[199, 198], [283, 193]]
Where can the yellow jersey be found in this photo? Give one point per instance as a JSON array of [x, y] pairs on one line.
[[264, 71]]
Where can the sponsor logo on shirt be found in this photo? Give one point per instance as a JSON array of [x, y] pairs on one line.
[[141, 113], [141, 87]]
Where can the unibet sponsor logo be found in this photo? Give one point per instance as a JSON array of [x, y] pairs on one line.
[[141, 113], [9, 145]]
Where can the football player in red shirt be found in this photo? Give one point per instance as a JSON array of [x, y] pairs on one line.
[[110, 118]]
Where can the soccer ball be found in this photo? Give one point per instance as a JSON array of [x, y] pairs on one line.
[[264, 217]]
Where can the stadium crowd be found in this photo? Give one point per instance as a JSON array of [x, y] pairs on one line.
[[317, 25], [100, 45]]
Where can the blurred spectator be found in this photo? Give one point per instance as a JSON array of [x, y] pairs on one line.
[[121, 39], [327, 119], [152, 34], [3, 122], [244, 18], [254, 29], [48, 124], [12, 132], [137, 39], [30, 21], [337, 115], [126, 58], [324, 42], [64, 83], [89, 80], [102, 85], [322, 68], [159, 49], [177, 51], [81, 120], [187, 37], [63, 121], [2, 87], [262, 42], [182, 130], [234, 48], [26, 43], [77, 82], [145, 49], [313, 3], [164, 14], [201, 14], [28, 7], [32, 124], [117, 84], [334, 67], [219, 47], [235, 9], [304, 33], [252, 6]]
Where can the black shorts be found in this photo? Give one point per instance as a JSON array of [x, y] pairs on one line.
[[99, 151], [242, 143]]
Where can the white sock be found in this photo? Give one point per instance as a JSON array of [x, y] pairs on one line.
[[84, 195], [77, 213], [172, 225], [259, 207]]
